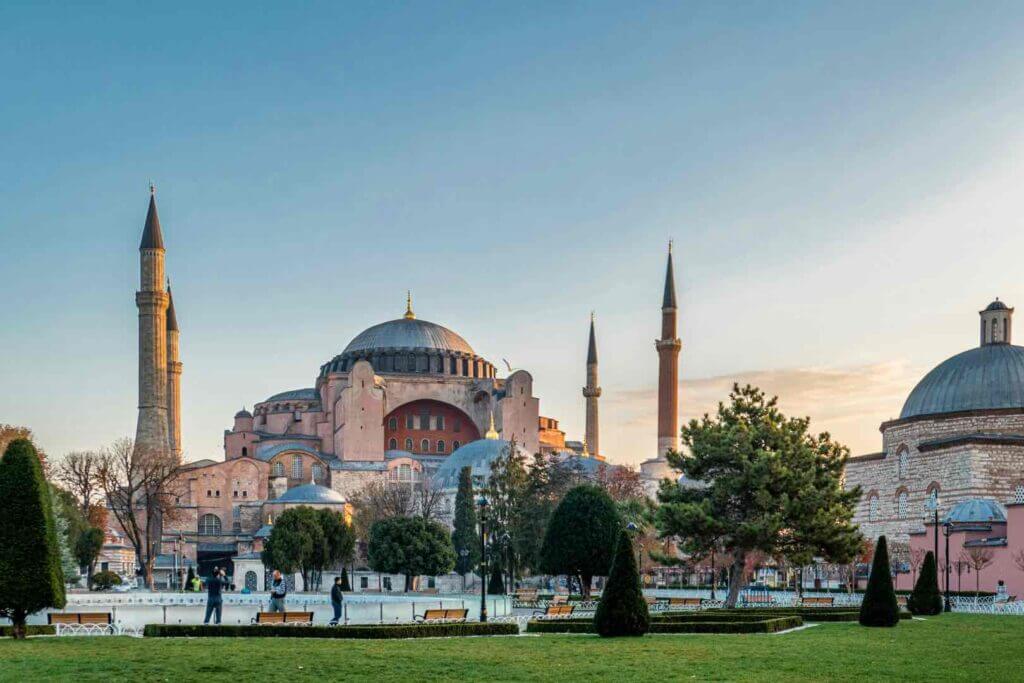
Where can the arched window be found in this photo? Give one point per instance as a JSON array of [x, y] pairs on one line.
[[393, 424], [245, 451], [902, 505], [904, 463], [931, 501], [440, 446], [318, 472], [455, 446], [1018, 493], [209, 525], [296, 467], [408, 444], [425, 445], [410, 421], [393, 444], [277, 470], [873, 508]]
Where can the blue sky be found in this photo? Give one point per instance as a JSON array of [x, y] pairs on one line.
[[842, 182]]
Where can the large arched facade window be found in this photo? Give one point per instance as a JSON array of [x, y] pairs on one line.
[[873, 507], [423, 423], [902, 504], [277, 470], [209, 525]]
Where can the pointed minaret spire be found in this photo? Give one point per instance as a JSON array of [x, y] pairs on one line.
[[172, 319], [592, 392], [409, 315], [152, 238], [668, 300]]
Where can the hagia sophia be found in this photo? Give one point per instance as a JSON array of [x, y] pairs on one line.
[[407, 401]]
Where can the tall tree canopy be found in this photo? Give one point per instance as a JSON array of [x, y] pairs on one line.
[[764, 484], [412, 546], [465, 538], [309, 541], [31, 578], [582, 535]]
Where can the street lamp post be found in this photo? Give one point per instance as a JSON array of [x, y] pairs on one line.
[[463, 553], [482, 504], [506, 541], [945, 532]]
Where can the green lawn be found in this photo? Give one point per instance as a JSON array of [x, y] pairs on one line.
[[947, 648]]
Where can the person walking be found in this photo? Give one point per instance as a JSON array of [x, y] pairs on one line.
[[278, 591], [214, 597], [337, 596]]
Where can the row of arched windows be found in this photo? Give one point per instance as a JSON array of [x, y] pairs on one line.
[[901, 504], [441, 446]]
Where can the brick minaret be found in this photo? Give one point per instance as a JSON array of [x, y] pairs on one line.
[[668, 367], [173, 378], [152, 301], [592, 392]]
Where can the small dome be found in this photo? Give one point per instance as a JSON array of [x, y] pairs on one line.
[[311, 493], [243, 413], [983, 378], [997, 305], [977, 511], [479, 455]]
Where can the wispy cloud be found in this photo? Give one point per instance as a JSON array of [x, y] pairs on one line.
[[849, 402]]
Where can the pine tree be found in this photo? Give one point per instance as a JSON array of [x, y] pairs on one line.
[[879, 607], [464, 536], [30, 565], [622, 610], [926, 600]]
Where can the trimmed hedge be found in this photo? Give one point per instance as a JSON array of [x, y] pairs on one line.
[[809, 614], [763, 625], [360, 632], [31, 630]]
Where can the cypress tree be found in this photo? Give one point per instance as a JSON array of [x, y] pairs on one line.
[[31, 578], [879, 607], [464, 535], [345, 585], [622, 610], [926, 600], [495, 586]]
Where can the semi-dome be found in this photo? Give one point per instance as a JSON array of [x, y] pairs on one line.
[[977, 511], [408, 333], [308, 394], [984, 378], [311, 493], [478, 455]]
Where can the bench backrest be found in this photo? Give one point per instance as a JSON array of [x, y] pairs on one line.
[[79, 618], [819, 601], [526, 594], [650, 600], [559, 599], [270, 618], [435, 614], [689, 602], [455, 613], [558, 610], [298, 617]]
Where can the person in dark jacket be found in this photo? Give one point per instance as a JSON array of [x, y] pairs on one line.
[[214, 594], [336, 598]]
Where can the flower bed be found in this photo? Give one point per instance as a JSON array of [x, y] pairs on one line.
[[360, 632]]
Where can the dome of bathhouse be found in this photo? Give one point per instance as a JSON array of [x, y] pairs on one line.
[[311, 493], [977, 511]]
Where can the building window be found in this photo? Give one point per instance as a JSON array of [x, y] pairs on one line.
[[296, 467], [440, 446], [903, 464], [245, 494], [209, 493], [236, 527], [410, 421], [408, 444], [393, 424], [873, 508], [1018, 494], [216, 494], [245, 451], [457, 425], [931, 502], [318, 472], [902, 505], [455, 446], [439, 423], [425, 421], [209, 525], [234, 494], [278, 469], [297, 416], [364, 582], [425, 446], [393, 444]]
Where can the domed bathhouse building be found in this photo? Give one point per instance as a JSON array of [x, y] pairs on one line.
[[959, 438]]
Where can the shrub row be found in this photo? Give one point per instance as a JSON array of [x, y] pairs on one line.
[[763, 625], [31, 630], [361, 632]]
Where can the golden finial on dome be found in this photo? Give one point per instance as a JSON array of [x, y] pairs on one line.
[[409, 315], [492, 433]]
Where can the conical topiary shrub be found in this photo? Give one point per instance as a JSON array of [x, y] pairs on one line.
[[622, 610], [926, 600], [879, 607], [346, 587], [495, 586]]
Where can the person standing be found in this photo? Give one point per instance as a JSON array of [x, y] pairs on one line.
[[337, 596], [214, 595], [197, 584], [278, 591]]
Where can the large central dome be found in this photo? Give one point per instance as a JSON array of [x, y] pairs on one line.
[[984, 378], [408, 333]]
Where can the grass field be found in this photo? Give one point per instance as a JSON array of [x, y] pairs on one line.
[[947, 648]]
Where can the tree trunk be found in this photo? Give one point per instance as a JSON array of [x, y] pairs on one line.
[[739, 560], [408, 582], [18, 624], [585, 581]]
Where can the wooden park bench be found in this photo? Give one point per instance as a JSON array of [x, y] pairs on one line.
[[443, 615], [91, 623], [289, 618], [817, 602], [526, 595], [554, 611], [759, 598], [558, 600], [680, 603]]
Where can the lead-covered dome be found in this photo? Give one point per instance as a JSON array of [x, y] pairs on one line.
[[311, 493], [478, 455], [978, 511], [408, 333], [985, 378]]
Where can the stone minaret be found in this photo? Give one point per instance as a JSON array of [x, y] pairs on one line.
[[668, 367], [152, 301], [173, 378], [592, 392]]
